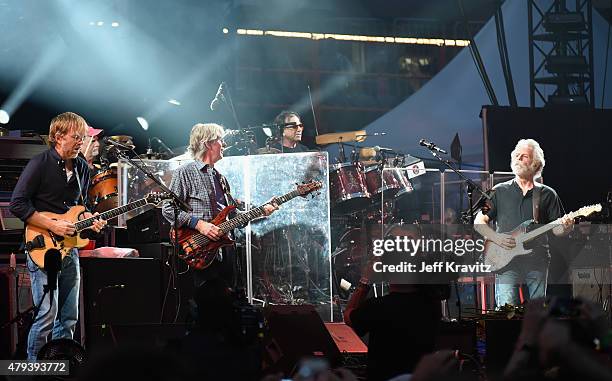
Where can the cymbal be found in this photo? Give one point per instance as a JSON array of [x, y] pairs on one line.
[[266, 150], [342, 137], [153, 156], [123, 139]]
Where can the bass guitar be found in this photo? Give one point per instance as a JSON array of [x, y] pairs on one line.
[[497, 257], [39, 240], [199, 251]]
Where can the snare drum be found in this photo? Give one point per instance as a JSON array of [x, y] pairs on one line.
[[103, 193], [348, 189], [381, 183]]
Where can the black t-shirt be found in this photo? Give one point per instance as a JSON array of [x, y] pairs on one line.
[[402, 327], [510, 208]]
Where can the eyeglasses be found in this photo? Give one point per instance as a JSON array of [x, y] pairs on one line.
[[78, 138], [295, 126]]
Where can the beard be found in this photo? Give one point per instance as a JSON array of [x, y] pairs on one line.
[[524, 170]]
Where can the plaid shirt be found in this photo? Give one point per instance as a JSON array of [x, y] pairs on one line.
[[194, 183]]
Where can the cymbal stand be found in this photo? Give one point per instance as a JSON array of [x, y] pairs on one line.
[[341, 154]]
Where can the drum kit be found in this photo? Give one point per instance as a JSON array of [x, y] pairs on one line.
[[371, 177], [363, 193], [103, 192]]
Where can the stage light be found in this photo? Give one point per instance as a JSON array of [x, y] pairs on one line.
[[225, 31], [4, 117], [143, 123], [353, 37], [174, 102], [100, 23], [115, 24]]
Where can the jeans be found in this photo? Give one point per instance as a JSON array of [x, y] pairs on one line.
[[64, 300], [533, 273]]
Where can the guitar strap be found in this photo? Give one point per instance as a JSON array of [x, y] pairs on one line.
[[535, 200], [226, 189], [78, 179]]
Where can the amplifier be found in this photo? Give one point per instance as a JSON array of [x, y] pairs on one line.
[[148, 227], [592, 283]]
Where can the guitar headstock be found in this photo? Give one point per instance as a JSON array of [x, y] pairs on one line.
[[307, 188], [586, 210], [156, 198]]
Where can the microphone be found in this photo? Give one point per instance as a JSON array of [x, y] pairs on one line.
[[109, 140], [382, 149], [218, 97], [52, 264], [431, 146]]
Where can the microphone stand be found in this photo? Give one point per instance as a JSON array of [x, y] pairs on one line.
[[177, 204], [471, 186], [228, 101], [180, 203]]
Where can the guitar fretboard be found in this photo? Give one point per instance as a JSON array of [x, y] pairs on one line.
[[88, 222], [254, 213]]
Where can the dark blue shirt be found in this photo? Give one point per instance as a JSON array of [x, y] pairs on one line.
[[43, 186]]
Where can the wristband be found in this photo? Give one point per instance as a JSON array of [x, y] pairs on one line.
[[193, 222]]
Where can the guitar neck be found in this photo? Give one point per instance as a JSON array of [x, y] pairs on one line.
[[539, 231], [252, 214], [88, 222]]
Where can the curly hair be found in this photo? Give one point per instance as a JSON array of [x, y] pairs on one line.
[[538, 155]]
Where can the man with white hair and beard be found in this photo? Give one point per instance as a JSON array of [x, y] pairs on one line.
[[511, 204]]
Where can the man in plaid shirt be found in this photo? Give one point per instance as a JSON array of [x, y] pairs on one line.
[[207, 192]]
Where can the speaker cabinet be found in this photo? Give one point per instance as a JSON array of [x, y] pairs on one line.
[[177, 289], [296, 331], [121, 290], [148, 227]]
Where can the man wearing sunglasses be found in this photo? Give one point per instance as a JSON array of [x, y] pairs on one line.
[[291, 136]]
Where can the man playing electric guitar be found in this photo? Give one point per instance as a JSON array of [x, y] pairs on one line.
[[54, 181], [207, 191], [512, 203]]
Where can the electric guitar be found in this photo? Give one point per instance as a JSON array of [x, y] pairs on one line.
[[199, 251], [39, 240], [498, 257]]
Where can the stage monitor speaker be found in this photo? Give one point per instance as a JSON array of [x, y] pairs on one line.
[[121, 290], [148, 227], [346, 339], [295, 332]]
